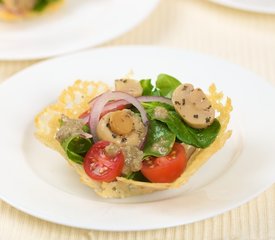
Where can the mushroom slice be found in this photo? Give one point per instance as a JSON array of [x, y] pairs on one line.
[[122, 127], [19, 5], [129, 86], [193, 106]]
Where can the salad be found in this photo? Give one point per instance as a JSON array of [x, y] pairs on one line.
[[138, 137], [18, 9]]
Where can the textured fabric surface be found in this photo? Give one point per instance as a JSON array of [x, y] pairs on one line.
[[247, 39]]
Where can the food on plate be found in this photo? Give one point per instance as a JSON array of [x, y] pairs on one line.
[[11, 10], [137, 138]]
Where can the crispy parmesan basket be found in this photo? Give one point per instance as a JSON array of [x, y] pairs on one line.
[[75, 100]]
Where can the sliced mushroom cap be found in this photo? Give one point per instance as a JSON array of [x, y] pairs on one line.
[[19, 5], [129, 86], [116, 127], [193, 106], [121, 122]]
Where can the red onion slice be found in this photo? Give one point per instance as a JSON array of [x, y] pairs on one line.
[[113, 105], [94, 99], [155, 99], [109, 107], [141, 99], [85, 118], [102, 100]]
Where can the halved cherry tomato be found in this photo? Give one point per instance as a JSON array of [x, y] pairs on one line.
[[165, 169], [100, 166]]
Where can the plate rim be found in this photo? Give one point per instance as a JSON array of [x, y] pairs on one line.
[[129, 47], [81, 226]]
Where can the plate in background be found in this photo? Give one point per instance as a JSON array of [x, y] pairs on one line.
[[260, 6], [76, 25]]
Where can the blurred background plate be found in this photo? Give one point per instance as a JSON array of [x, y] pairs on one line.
[[260, 6], [76, 25]]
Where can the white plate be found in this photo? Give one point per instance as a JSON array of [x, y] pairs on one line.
[[38, 181], [260, 6], [76, 25]]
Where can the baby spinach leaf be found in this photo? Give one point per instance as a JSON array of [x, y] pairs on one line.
[[41, 4], [166, 84], [207, 135], [76, 147], [160, 140], [200, 138], [152, 105], [137, 176], [148, 88], [86, 129]]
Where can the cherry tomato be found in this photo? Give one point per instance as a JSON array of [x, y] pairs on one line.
[[100, 166], [165, 169]]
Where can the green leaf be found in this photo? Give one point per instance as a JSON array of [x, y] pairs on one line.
[[207, 135], [166, 85], [200, 138], [160, 140], [76, 147], [152, 105], [86, 129], [41, 4], [137, 176], [148, 88]]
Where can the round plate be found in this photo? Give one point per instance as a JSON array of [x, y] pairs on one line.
[[38, 181], [76, 25], [260, 6]]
